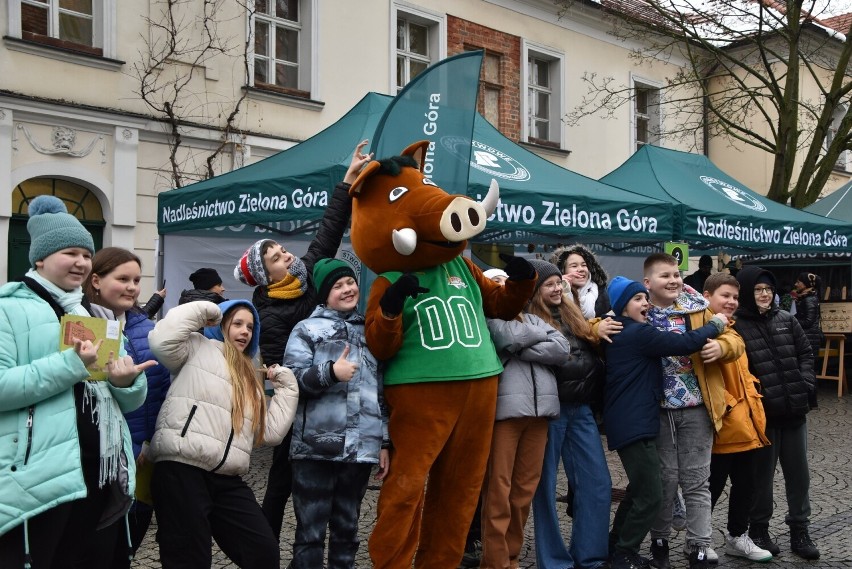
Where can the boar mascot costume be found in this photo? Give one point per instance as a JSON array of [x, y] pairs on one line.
[[426, 321]]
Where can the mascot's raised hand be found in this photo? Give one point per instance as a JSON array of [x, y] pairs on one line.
[[518, 268], [394, 298]]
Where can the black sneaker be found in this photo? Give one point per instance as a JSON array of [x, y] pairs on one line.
[[698, 559], [472, 556], [801, 543], [660, 553], [760, 536], [627, 560]]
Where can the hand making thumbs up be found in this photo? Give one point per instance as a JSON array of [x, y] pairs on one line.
[[344, 370]]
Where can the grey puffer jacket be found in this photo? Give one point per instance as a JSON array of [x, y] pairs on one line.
[[528, 349], [779, 354], [344, 421]]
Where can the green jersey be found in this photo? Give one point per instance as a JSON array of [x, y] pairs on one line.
[[445, 337]]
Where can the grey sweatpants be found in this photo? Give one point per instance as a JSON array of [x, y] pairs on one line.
[[684, 445]]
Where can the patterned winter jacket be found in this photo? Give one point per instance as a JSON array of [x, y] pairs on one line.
[[344, 421]]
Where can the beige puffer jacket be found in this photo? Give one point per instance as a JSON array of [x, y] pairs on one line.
[[194, 424]]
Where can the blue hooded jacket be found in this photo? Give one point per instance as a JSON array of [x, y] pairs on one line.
[[215, 332]]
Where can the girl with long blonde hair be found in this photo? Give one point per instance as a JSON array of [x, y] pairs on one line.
[[214, 414]]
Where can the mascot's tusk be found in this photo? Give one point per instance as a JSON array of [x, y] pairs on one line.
[[404, 240], [489, 204]]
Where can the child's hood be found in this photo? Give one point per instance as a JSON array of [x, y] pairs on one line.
[[689, 301], [597, 274], [215, 332], [351, 317], [747, 277]]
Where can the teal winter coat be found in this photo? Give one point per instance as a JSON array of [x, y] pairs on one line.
[[40, 465]]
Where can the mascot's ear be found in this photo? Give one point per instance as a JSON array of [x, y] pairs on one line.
[[418, 152], [367, 171]]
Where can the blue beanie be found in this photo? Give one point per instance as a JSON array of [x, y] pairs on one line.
[[52, 229], [621, 290]]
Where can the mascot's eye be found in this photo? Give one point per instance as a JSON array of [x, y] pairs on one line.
[[397, 193], [429, 182]]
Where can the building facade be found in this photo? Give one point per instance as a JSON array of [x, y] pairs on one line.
[[106, 103]]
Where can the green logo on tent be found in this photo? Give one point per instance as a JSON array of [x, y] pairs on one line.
[[733, 193]]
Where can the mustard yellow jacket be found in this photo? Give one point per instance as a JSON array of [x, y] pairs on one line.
[[711, 380], [744, 422]]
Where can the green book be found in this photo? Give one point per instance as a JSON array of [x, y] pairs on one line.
[[73, 326]]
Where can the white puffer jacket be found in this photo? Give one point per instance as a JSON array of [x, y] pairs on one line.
[[194, 424]]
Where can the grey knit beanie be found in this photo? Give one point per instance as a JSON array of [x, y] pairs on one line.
[[52, 229]]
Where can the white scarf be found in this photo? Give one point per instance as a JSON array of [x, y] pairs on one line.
[[588, 295], [106, 414]]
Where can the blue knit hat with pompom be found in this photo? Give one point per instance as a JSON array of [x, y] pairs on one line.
[[52, 229]]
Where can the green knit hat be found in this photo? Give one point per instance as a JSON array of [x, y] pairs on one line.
[[326, 273], [52, 229]]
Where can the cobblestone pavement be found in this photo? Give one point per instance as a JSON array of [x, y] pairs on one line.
[[830, 455]]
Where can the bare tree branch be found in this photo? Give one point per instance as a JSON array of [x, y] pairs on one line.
[[749, 65], [185, 37]]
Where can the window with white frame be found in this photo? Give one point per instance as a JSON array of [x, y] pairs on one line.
[[836, 119], [543, 101], [282, 55], [419, 42], [646, 114], [83, 26], [69, 20]]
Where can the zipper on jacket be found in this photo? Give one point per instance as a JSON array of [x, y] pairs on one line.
[[227, 449], [30, 412], [188, 420], [535, 390]]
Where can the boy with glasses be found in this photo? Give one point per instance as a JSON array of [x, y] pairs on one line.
[[779, 354]]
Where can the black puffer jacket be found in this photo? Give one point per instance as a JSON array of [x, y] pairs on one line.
[[279, 316], [807, 313], [779, 354]]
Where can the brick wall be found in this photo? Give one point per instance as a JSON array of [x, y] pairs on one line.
[[463, 35]]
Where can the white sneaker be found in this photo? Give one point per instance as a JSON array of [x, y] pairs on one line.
[[743, 546], [712, 556]]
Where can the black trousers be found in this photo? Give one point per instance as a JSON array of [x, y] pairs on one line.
[[739, 466], [327, 494], [279, 484], [194, 506], [138, 520], [63, 537]]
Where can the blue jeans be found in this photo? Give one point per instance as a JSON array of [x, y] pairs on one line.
[[574, 437]]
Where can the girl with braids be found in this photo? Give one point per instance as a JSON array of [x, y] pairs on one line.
[[214, 414], [573, 437]]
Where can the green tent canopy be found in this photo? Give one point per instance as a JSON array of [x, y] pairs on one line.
[[713, 210], [837, 204], [539, 201]]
